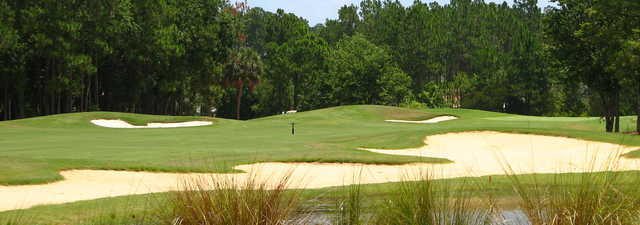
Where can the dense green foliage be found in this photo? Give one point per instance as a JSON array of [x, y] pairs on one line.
[[588, 37], [134, 56], [174, 57]]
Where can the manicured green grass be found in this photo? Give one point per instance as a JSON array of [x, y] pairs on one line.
[[34, 150], [42, 146], [89, 212]]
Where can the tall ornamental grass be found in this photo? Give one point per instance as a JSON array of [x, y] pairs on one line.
[[600, 196], [215, 201]]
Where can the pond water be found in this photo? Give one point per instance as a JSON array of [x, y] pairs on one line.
[[513, 217], [508, 217]]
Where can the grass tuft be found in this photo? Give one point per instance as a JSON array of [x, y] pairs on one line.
[[426, 201], [349, 210], [17, 219], [591, 198], [213, 201], [433, 203]]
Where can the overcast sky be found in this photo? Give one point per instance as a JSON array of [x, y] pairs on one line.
[[316, 11]]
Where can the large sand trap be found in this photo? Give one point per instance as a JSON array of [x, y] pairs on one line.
[[123, 124], [481, 153], [432, 120], [474, 154]]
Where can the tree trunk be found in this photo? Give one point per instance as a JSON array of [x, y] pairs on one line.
[[86, 93], [59, 103], [238, 99], [166, 108], [96, 89], [610, 105], [82, 98], [50, 101], [617, 124], [281, 99], [616, 111], [638, 119], [4, 106], [295, 93], [20, 102], [9, 109], [70, 103], [638, 108], [295, 98], [608, 115]]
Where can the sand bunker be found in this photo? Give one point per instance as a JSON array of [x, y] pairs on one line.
[[432, 120], [482, 153], [123, 124], [473, 154]]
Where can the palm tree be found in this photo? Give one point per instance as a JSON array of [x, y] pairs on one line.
[[244, 68]]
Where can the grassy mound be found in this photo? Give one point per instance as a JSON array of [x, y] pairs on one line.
[[34, 150], [81, 120]]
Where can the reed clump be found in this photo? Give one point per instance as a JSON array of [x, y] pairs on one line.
[[349, 211], [598, 196], [423, 202], [431, 202], [214, 201]]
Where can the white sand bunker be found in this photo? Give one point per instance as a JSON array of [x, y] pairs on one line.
[[484, 153], [123, 124], [474, 154], [432, 120]]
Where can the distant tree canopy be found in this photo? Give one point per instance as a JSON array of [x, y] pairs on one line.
[[190, 56], [590, 38]]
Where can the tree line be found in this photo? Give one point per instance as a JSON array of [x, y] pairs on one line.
[[191, 56]]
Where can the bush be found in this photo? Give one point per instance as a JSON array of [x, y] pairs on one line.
[[432, 95], [412, 104]]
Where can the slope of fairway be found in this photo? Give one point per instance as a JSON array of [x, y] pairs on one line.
[[472, 154], [627, 123], [83, 120], [35, 150]]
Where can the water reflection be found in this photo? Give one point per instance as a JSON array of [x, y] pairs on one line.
[[507, 217], [513, 217]]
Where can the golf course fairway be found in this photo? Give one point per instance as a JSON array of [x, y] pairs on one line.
[[65, 158]]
